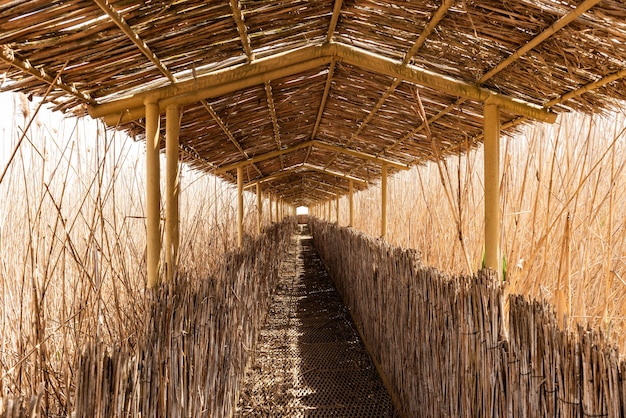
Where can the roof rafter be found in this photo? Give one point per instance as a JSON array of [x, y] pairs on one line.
[[262, 157], [551, 30], [241, 28], [272, 109], [247, 75], [227, 131], [312, 144], [134, 37], [7, 55], [556, 26], [320, 111], [428, 29], [333, 20]]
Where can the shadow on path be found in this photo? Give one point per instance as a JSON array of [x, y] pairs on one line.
[[310, 361]]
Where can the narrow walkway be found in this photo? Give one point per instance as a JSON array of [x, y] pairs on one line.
[[310, 361]]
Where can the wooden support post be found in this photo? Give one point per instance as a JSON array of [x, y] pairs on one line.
[[492, 187], [153, 193], [276, 207], [328, 212], [270, 208], [259, 208], [383, 217], [240, 206], [337, 207], [172, 190], [351, 203]]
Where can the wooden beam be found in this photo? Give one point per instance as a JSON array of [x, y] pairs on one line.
[[172, 190], [492, 187], [337, 207], [351, 203], [333, 20], [240, 207], [220, 82], [270, 207], [428, 29], [551, 30], [383, 215], [7, 55], [362, 155], [153, 194], [241, 28], [261, 157], [135, 39], [272, 110], [320, 110], [259, 208], [387, 66], [280, 65], [318, 144], [333, 173], [227, 131]]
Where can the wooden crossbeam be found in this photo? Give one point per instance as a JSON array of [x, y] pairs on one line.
[[227, 131], [241, 28], [262, 157], [7, 55], [383, 65], [280, 65], [320, 110], [333, 20], [551, 30], [311, 144], [359, 154], [219, 82], [134, 37], [272, 110]]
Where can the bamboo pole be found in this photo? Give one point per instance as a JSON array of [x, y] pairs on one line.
[[153, 193], [383, 217], [240, 206], [270, 208], [492, 186], [259, 208], [351, 203], [172, 190]]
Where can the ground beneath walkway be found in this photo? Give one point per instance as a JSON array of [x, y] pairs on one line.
[[309, 360]]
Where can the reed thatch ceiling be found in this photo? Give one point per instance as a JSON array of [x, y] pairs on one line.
[[311, 93]]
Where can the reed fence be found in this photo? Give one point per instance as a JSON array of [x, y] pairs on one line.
[[448, 347], [198, 338]]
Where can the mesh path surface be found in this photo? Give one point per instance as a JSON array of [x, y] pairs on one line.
[[309, 360]]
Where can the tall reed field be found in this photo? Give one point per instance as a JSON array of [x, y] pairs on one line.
[[563, 200], [72, 242]]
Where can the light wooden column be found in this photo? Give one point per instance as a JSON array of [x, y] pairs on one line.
[[240, 206], [383, 217], [153, 193], [276, 209], [172, 190], [351, 203], [337, 207], [270, 208], [492, 186], [259, 208]]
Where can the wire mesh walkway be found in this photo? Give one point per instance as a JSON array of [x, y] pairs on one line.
[[310, 361]]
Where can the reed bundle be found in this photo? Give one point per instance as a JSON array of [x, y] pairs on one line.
[[447, 347], [198, 338]]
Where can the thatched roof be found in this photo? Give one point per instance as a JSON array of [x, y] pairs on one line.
[[310, 93]]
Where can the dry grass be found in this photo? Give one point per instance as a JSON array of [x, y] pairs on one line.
[[72, 244], [573, 169]]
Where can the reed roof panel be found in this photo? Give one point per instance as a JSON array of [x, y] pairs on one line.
[[277, 93]]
